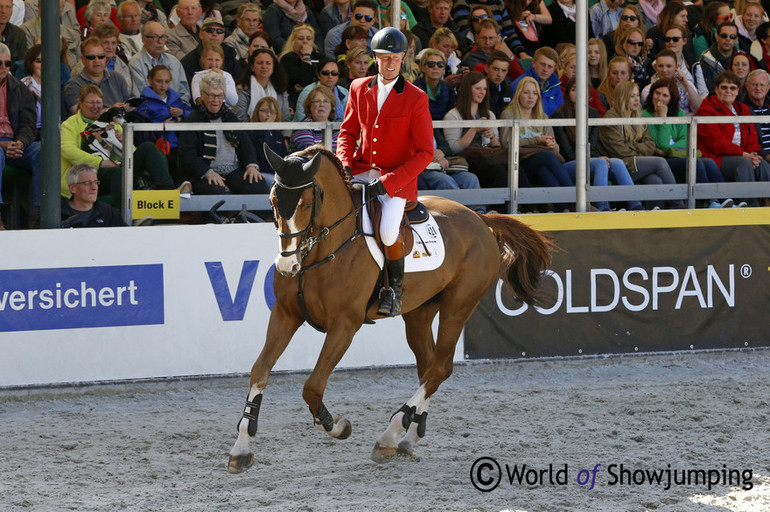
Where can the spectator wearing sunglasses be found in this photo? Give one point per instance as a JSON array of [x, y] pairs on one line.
[[441, 96], [212, 31], [630, 18], [328, 76], [631, 46], [704, 33], [114, 87], [363, 16], [280, 18], [675, 13], [438, 17], [715, 60]]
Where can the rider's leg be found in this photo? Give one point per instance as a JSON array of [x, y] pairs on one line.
[[392, 214]]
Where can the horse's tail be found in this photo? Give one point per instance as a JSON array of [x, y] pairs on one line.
[[526, 253]]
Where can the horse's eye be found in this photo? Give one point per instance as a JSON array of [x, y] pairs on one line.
[[306, 207]]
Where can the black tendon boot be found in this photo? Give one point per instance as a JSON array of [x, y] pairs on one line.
[[390, 298]]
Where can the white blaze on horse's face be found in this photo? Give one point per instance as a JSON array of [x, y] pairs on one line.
[[288, 265], [289, 261]]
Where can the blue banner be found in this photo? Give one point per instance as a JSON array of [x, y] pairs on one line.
[[69, 298]]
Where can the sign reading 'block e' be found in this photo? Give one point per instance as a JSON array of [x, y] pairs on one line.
[[158, 204]]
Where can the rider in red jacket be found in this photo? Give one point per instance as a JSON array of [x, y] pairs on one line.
[[391, 119]]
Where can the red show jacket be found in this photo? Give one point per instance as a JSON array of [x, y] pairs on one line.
[[398, 140], [716, 140]]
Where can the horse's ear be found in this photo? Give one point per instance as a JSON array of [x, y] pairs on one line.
[[275, 160], [312, 166]]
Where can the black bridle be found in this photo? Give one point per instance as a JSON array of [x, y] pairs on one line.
[[308, 242]]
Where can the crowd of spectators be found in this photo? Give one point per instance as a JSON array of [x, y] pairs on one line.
[[175, 61]]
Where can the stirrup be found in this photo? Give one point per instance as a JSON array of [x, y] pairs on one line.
[[387, 299]]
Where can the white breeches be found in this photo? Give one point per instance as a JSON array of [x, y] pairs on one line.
[[392, 213]]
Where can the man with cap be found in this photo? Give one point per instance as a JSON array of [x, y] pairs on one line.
[[391, 118], [212, 31]]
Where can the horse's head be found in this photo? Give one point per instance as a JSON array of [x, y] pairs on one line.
[[296, 200]]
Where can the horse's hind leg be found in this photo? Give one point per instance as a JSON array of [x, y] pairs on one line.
[[279, 332], [413, 414]]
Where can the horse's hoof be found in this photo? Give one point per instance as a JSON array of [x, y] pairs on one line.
[[240, 463], [382, 454], [347, 428]]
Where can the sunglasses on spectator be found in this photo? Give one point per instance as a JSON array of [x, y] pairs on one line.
[[479, 18], [435, 64], [211, 30], [726, 17], [629, 18], [326, 72], [94, 57], [673, 39], [366, 17], [731, 36], [6, 63], [404, 16], [636, 43]]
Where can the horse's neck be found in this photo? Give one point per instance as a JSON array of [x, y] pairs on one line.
[[337, 201]]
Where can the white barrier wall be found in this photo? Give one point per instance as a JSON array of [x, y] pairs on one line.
[[85, 305]]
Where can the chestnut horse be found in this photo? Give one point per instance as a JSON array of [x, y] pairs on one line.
[[326, 276]]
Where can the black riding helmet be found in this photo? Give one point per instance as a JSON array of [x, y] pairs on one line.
[[389, 40]]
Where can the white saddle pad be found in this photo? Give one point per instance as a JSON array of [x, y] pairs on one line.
[[420, 259]]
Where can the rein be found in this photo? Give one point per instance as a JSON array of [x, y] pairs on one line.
[[307, 242]]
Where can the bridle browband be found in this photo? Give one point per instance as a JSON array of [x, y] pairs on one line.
[[308, 242]]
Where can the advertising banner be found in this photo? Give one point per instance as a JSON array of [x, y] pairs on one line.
[[106, 304], [654, 281]]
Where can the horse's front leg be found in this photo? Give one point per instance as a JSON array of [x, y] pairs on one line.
[[336, 344], [280, 330]]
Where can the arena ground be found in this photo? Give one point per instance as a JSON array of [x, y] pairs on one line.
[[163, 445]]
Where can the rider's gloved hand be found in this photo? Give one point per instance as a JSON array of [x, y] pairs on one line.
[[375, 188]]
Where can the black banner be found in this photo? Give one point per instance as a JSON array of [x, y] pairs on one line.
[[636, 290]]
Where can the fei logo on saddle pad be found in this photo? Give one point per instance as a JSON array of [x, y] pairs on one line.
[[68, 298]]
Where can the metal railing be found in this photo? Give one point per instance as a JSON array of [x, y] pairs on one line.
[[513, 196]]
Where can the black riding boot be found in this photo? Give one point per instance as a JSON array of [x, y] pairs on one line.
[[390, 298]]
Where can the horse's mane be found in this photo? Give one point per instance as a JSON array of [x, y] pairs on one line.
[[318, 148]]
